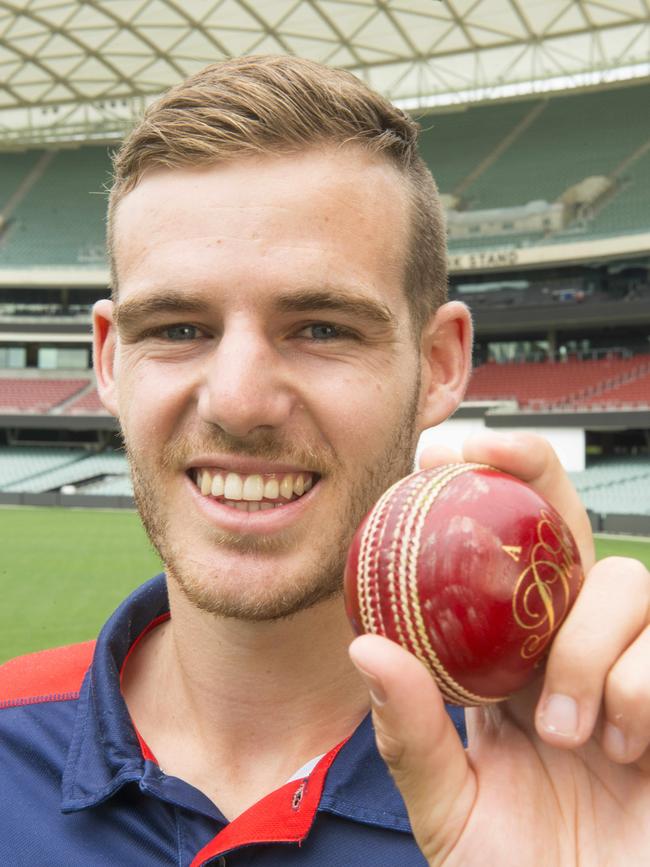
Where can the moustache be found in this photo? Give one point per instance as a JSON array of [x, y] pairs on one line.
[[262, 445]]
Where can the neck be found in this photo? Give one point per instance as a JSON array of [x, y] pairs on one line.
[[228, 668], [257, 698]]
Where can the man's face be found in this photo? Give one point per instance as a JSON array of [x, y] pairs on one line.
[[267, 379]]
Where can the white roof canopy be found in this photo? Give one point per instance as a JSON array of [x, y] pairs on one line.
[[81, 69]]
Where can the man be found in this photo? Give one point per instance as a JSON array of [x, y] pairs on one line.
[[277, 338]]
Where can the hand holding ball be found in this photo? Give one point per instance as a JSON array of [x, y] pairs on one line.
[[469, 569]]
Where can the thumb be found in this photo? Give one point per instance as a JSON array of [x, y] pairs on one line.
[[418, 742]]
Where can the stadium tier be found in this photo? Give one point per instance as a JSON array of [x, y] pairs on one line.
[[40, 470], [456, 143], [89, 403], [37, 395], [569, 139], [629, 210], [616, 486], [604, 383], [78, 470], [59, 218], [15, 168], [485, 157], [20, 464], [633, 393]]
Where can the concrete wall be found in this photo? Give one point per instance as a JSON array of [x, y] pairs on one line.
[[79, 501]]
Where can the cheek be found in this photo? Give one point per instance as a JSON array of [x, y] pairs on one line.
[[151, 403], [360, 414]]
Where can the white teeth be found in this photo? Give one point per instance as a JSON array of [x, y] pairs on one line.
[[264, 507], [233, 487], [286, 487], [272, 489], [217, 485], [206, 483], [253, 488], [243, 507]]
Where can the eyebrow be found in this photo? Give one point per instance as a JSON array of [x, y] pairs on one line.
[[337, 301], [128, 313], [132, 311]]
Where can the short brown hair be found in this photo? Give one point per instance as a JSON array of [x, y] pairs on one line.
[[281, 105]]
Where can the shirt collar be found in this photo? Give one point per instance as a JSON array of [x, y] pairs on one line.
[[105, 752]]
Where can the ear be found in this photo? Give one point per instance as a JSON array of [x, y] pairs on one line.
[[446, 354], [104, 346]]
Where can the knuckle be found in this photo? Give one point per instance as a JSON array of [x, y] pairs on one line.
[[627, 689], [390, 747]]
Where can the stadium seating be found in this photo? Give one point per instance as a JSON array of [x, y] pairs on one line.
[[60, 221], [571, 384], [36, 395], [89, 404], [567, 142], [616, 486], [19, 464], [629, 211], [454, 144], [77, 472], [111, 486], [14, 168], [551, 145], [635, 393]]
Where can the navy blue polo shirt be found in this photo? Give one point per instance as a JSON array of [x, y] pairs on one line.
[[79, 787]]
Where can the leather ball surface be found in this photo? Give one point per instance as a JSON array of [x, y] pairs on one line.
[[469, 569]]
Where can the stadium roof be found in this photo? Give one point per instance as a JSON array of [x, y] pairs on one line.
[[82, 69]]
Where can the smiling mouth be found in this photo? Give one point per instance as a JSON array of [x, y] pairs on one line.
[[257, 492]]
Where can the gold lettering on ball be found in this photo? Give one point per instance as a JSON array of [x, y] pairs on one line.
[[535, 607]]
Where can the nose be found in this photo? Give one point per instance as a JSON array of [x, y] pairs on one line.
[[246, 384]]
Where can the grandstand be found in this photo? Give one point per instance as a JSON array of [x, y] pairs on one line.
[[547, 191], [487, 160], [569, 384]]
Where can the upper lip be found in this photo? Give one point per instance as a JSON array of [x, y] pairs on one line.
[[244, 466]]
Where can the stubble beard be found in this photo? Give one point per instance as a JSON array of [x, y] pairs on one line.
[[201, 585]]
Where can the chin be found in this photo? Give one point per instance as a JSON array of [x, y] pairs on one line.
[[256, 597]]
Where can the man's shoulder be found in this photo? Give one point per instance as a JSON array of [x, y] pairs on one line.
[[45, 676]]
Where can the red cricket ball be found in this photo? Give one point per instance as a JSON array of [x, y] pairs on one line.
[[469, 569]]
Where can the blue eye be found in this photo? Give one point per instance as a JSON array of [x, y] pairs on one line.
[[327, 331], [181, 332]]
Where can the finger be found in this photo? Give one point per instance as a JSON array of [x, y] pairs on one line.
[[626, 734], [437, 456], [609, 614], [532, 459], [418, 742]]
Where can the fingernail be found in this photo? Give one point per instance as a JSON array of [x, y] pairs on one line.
[[375, 688], [560, 715], [615, 741]]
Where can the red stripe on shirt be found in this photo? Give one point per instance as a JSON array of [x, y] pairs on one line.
[[48, 675]]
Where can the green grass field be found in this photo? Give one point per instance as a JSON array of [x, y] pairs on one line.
[[63, 571]]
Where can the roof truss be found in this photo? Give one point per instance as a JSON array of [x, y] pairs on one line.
[[84, 68]]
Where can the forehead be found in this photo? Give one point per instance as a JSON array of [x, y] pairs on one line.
[[341, 211]]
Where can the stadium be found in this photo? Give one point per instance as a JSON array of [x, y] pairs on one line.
[[536, 125]]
